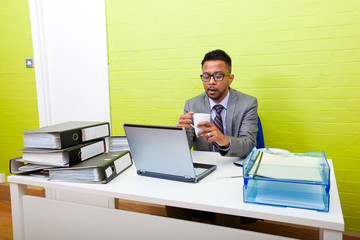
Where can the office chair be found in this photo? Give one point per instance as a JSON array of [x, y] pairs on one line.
[[260, 143]]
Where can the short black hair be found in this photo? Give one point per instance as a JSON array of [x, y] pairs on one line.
[[218, 55]]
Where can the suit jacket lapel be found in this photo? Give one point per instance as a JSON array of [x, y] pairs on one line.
[[206, 104], [230, 112]]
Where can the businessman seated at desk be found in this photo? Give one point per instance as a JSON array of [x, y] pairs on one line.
[[233, 128], [234, 114]]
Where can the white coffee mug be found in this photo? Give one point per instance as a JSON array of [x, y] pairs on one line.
[[198, 118]]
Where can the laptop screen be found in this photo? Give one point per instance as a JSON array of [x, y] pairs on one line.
[[159, 149]]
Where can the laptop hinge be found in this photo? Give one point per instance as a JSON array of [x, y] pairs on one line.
[[187, 177]]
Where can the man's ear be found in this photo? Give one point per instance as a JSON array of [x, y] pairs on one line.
[[231, 78]]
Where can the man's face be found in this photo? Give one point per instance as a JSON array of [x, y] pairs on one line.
[[216, 90]]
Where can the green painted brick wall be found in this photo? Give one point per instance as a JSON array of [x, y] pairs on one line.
[[18, 103], [300, 58]]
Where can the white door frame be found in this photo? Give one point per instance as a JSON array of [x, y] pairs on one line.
[[71, 60]]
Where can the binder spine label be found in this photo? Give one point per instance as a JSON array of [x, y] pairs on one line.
[[122, 163], [108, 171], [95, 132], [92, 150]]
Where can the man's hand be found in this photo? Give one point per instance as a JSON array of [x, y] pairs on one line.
[[213, 134], [185, 120]]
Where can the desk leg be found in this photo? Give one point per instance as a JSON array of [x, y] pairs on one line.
[[17, 191], [326, 234]]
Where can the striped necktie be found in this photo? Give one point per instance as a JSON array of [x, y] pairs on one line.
[[218, 123]]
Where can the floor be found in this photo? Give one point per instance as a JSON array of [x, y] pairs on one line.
[[5, 220], [287, 230]]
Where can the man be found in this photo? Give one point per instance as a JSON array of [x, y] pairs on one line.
[[233, 131]]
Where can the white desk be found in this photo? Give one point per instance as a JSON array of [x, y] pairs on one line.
[[71, 209]]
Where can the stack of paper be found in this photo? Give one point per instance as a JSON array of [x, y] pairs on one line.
[[289, 167], [118, 143]]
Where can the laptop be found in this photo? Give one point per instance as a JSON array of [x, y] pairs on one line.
[[163, 152]]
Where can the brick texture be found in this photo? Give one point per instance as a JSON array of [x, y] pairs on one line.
[[18, 104], [299, 58]]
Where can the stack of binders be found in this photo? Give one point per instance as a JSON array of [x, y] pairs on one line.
[[70, 151]]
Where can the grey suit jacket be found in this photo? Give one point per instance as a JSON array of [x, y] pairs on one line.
[[241, 123]]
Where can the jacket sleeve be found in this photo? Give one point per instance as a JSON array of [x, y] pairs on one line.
[[243, 143], [191, 133]]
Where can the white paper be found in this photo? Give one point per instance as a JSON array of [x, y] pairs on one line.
[[300, 168]]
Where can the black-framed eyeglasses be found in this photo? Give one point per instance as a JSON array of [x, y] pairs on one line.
[[217, 76]]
